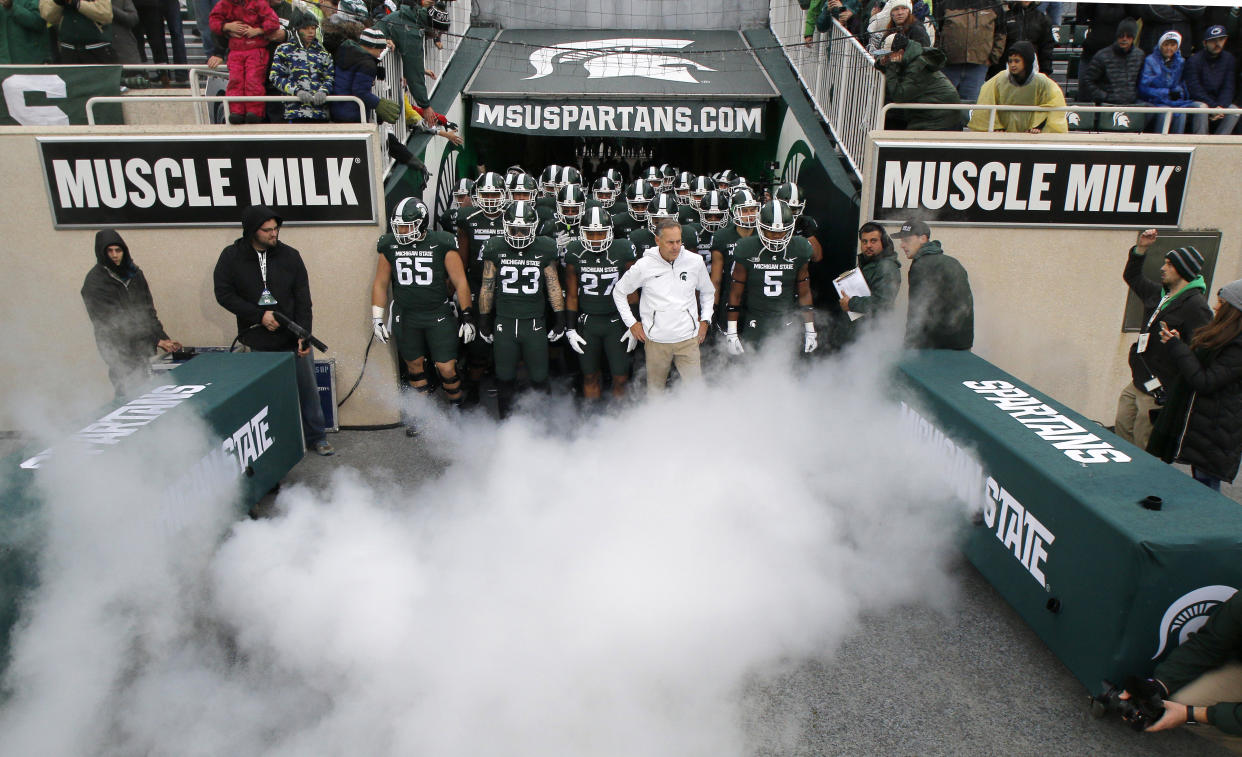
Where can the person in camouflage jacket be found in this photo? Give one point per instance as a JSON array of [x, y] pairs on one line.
[[302, 67]]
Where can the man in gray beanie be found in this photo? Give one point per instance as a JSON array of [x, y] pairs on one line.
[[1179, 302]]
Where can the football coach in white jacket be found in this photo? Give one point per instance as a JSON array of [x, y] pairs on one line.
[[673, 325]]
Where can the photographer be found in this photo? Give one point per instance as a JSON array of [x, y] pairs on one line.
[[1180, 302], [1201, 680]]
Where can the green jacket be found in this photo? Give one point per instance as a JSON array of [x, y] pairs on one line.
[[883, 275], [917, 78], [1217, 642], [405, 29], [812, 13], [942, 308], [23, 34]]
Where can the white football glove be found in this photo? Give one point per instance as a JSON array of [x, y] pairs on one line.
[[629, 340], [378, 326], [575, 340], [809, 338], [733, 345], [467, 332]]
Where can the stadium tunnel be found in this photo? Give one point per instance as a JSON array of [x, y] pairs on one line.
[[596, 99]]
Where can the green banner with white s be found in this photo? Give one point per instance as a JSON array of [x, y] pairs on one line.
[[57, 95]]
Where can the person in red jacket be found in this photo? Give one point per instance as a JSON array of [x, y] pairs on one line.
[[246, 23]]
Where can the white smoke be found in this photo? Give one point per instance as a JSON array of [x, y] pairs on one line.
[[609, 586]]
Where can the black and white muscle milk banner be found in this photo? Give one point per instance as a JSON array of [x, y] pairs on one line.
[[202, 180], [618, 118], [1030, 185]]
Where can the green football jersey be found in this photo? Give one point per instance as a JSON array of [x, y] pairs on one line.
[[480, 228], [560, 233], [598, 273], [419, 278], [643, 238], [623, 223], [520, 291], [687, 215], [726, 239], [771, 278]]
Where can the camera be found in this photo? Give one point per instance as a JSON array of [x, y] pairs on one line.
[[1144, 707]]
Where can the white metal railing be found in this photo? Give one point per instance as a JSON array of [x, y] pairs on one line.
[[391, 88], [438, 60], [90, 103], [993, 109], [837, 72]]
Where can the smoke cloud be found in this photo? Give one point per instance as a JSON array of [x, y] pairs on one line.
[[616, 585]]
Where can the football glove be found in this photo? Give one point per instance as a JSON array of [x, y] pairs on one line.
[[468, 328], [558, 326], [378, 326], [733, 345], [575, 340], [809, 338], [485, 327], [629, 340]]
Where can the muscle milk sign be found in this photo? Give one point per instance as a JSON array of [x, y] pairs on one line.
[[196, 181], [1030, 185]]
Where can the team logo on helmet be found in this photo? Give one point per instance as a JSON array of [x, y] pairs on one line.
[[621, 56], [409, 220], [1188, 613]]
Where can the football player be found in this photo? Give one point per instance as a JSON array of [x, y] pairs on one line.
[[743, 212], [570, 203], [724, 181], [604, 191], [663, 206], [463, 192], [482, 223], [638, 195], [683, 188], [420, 265], [522, 187], [804, 225], [593, 263], [769, 275], [519, 272]]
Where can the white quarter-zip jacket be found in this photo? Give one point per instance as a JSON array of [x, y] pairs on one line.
[[667, 306]]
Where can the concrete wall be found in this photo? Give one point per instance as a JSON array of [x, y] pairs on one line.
[[626, 14], [47, 347], [1049, 303]]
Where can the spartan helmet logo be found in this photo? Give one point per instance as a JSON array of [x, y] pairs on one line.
[[1188, 613], [624, 56], [1074, 119], [1121, 119]]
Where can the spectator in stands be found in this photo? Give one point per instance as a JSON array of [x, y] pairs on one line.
[[302, 67], [202, 20], [877, 261], [1210, 80], [274, 113], [23, 33], [1159, 19], [1178, 301], [1026, 22], [1103, 22], [941, 314], [151, 22], [1021, 84], [83, 30], [118, 301], [912, 74], [897, 17], [125, 19], [1162, 83], [246, 22], [405, 29], [1201, 424], [176, 34], [355, 69], [813, 10], [972, 35], [1112, 75]]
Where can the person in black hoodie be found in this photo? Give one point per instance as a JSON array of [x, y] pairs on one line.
[[256, 275], [122, 312]]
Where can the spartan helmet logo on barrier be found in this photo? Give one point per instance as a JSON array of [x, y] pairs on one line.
[[1121, 119], [1188, 613], [1074, 119], [624, 56]]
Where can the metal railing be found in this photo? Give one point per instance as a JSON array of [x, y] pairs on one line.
[[90, 104], [838, 73], [993, 109]]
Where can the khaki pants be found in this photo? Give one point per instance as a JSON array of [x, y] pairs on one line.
[[661, 356], [1221, 685], [1134, 415]]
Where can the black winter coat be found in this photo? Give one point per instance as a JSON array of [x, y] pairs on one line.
[[122, 312], [1032, 25], [1183, 19], [941, 315], [1112, 76], [1207, 431], [1184, 314], [1102, 20], [239, 284]]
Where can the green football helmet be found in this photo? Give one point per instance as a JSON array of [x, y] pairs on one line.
[[776, 225], [409, 220]]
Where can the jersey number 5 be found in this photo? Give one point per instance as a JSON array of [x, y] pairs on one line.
[[510, 276], [771, 283], [417, 271]]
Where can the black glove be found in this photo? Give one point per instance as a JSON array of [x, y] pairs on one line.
[[558, 326], [380, 73], [451, 126], [486, 320]]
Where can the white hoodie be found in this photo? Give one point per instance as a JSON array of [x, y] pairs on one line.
[[667, 303]]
